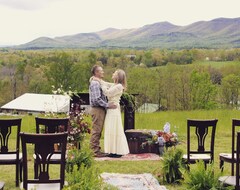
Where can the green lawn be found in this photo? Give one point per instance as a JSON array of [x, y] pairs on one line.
[[152, 121]]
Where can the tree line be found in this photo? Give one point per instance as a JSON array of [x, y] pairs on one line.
[[173, 79]]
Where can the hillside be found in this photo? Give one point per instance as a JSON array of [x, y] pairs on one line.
[[217, 33]]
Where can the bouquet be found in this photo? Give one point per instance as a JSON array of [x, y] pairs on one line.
[[162, 138]]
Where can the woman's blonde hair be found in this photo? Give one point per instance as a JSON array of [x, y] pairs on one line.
[[122, 79]]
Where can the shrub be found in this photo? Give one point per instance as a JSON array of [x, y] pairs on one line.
[[84, 178], [199, 178], [173, 166], [79, 157], [81, 172]]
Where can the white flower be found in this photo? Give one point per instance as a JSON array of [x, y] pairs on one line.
[[54, 92], [166, 128], [153, 133], [174, 134], [161, 141]]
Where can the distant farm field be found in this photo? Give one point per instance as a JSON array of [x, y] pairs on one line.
[[214, 64], [218, 64]]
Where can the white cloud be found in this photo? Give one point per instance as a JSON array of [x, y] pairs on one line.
[[26, 4]]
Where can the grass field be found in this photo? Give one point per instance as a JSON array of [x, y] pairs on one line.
[[152, 121], [217, 64]]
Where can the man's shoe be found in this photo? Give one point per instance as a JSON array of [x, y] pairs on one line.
[[100, 155]]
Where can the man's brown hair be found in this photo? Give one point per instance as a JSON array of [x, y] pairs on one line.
[[94, 69]]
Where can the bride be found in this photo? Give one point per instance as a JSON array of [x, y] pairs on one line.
[[115, 142]]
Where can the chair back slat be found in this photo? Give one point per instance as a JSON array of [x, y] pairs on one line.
[[44, 149], [5, 132], [201, 133]]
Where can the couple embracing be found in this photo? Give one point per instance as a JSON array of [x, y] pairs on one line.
[[104, 99]]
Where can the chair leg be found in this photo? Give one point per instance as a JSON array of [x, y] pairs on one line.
[[35, 170], [221, 165], [205, 165], [232, 168], [21, 177], [188, 166], [17, 174]]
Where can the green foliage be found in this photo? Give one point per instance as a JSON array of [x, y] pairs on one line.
[[199, 178], [202, 91], [230, 90], [159, 76], [81, 171], [60, 70], [142, 81], [173, 166], [84, 178], [128, 100], [79, 157]]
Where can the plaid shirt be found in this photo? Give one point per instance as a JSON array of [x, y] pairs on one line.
[[96, 96]]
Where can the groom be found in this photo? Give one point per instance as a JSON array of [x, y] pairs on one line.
[[99, 104]]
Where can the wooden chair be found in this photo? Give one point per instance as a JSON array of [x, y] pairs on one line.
[[9, 155], [51, 125], [201, 128], [44, 150], [233, 180], [230, 157]]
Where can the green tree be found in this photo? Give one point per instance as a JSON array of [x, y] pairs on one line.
[[230, 89], [60, 70], [143, 82], [148, 59], [182, 85], [81, 75], [203, 92]]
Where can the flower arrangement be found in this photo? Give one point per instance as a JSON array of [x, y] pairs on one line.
[[161, 138], [78, 124], [78, 127], [60, 90]]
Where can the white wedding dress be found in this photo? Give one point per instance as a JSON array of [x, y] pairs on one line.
[[115, 141]]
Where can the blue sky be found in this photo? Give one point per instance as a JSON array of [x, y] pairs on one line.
[[25, 20]]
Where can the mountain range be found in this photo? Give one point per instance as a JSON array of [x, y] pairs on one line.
[[217, 33]]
